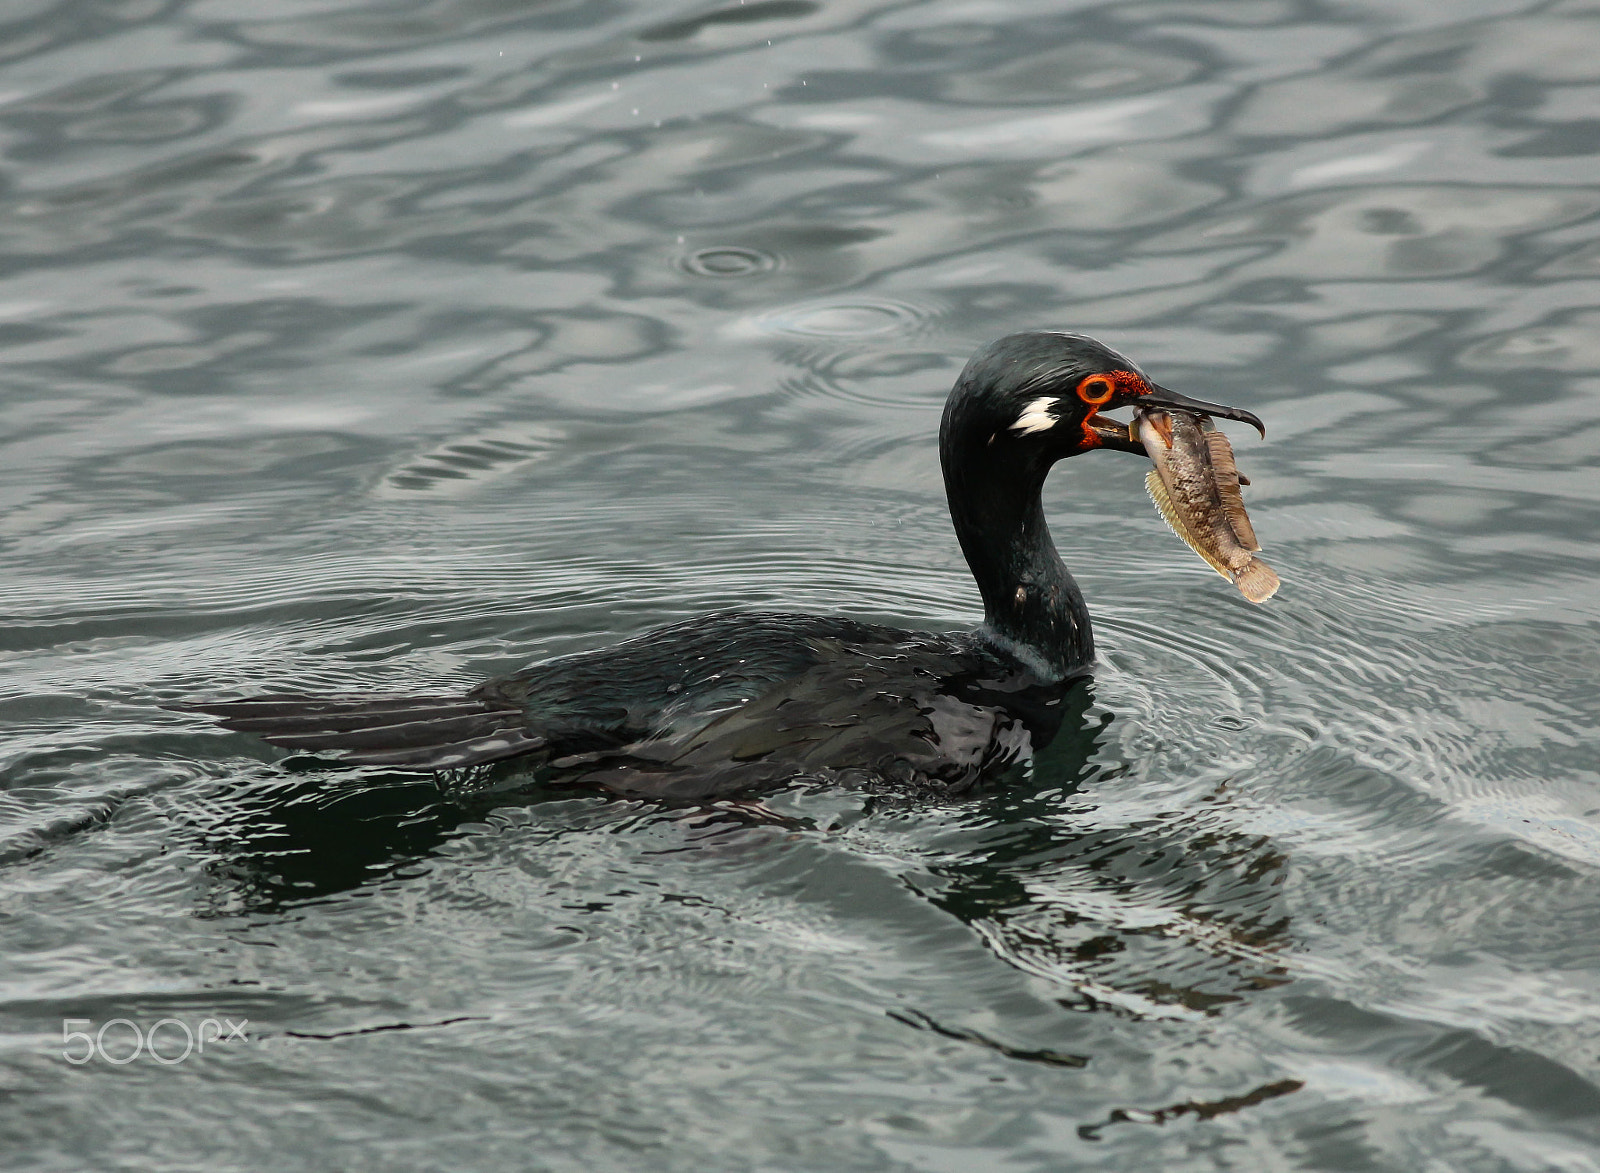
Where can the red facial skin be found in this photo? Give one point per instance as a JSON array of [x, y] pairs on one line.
[[1098, 390]]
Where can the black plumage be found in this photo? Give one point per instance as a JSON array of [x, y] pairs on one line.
[[738, 702]]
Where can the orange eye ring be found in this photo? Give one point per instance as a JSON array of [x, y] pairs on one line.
[[1096, 389]]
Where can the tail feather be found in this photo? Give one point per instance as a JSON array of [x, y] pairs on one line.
[[402, 735], [477, 751], [425, 733], [354, 710]]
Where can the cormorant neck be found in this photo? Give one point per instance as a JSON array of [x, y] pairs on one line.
[[1032, 607]]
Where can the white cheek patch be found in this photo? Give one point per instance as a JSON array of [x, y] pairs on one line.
[[1036, 417]]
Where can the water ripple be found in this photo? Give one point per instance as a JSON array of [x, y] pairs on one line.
[[846, 319], [729, 260], [350, 347]]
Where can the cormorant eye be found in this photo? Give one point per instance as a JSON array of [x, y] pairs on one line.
[[1096, 389]]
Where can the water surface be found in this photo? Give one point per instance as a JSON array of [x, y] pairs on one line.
[[387, 346]]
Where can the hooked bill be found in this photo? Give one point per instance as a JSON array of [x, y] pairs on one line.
[[1195, 485]]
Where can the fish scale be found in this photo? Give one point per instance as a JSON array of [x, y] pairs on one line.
[[1195, 487]]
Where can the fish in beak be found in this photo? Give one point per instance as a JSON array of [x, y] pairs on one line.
[[1195, 485], [1177, 401]]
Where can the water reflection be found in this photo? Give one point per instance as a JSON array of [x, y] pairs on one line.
[[1181, 913], [312, 833]]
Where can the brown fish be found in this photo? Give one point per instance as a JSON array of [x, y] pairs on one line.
[[1195, 485]]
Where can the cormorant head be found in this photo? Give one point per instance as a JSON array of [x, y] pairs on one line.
[[1038, 397]]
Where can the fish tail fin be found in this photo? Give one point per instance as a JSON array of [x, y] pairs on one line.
[[1257, 581]]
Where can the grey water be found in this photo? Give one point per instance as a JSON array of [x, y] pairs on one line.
[[354, 345]]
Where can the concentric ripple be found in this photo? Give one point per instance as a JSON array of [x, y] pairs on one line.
[[859, 316], [729, 260]]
